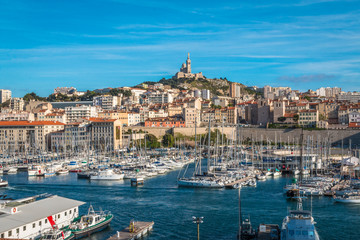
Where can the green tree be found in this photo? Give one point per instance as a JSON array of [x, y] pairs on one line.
[[33, 96], [168, 140], [281, 119], [296, 118]]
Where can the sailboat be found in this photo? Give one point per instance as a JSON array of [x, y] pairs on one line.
[[199, 180]]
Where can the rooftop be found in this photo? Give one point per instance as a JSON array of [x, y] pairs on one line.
[[34, 211]]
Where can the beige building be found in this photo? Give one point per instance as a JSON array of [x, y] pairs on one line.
[[74, 114], [235, 90], [191, 116], [119, 115], [20, 136], [308, 118]]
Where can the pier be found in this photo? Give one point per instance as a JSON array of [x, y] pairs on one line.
[[135, 230], [231, 185]]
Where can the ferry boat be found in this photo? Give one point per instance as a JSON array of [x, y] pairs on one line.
[[3, 183], [56, 234], [90, 223], [299, 225], [107, 174]]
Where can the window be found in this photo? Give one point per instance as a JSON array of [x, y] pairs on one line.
[[34, 225], [70, 212], [75, 210], [24, 228], [17, 231], [39, 223], [9, 234], [2, 235], [65, 213]]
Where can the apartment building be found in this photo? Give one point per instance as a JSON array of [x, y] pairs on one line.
[[308, 118], [19, 136], [17, 104], [73, 114], [4, 95], [107, 102], [106, 134], [116, 114]]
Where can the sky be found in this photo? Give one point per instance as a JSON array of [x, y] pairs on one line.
[[90, 44]]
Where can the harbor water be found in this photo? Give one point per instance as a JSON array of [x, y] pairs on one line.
[[172, 208]]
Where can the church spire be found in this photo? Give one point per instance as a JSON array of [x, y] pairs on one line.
[[188, 55]]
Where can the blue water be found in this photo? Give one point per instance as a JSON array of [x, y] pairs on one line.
[[172, 208]]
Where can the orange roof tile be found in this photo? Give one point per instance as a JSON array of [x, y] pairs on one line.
[[29, 123]]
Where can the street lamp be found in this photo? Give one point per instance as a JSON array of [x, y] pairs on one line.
[[198, 220]]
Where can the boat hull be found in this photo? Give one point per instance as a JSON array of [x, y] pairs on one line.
[[88, 231]]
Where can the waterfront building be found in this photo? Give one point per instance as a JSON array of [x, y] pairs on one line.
[[74, 113], [133, 118], [106, 134], [5, 95], [27, 218], [18, 136]]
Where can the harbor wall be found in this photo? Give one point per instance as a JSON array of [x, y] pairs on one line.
[[333, 136]]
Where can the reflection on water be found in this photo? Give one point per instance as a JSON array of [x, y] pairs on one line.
[[172, 208]]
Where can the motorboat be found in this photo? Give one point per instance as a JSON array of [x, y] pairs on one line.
[[107, 175], [62, 172], [347, 199], [90, 223], [200, 183], [10, 170], [3, 183], [56, 234]]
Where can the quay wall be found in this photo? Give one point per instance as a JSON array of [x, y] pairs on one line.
[[333, 136]]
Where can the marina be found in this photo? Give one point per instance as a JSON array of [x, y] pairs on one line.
[[161, 200]]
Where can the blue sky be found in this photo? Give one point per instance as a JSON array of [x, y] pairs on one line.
[[92, 44]]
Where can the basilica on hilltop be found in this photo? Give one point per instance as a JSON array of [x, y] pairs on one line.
[[185, 71]]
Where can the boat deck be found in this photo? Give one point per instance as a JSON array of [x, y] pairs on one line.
[[141, 229], [268, 232]]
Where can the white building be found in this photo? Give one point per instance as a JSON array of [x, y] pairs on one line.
[[74, 113], [107, 102], [160, 98], [4, 95], [354, 117], [133, 118], [27, 219], [16, 116], [205, 94], [17, 104]]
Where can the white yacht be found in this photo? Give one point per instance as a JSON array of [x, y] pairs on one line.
[[200, 183], [348, 199], [107, 174], [3, 183], [10, 170]]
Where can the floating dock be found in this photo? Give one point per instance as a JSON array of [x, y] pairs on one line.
[[132, 232], [231, 185]]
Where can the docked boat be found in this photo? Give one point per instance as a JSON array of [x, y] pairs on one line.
[[200, 183], [35, 170], [62, 172], [10, 170], [299, 225], [85, 174], [107, 175], [90, 223], [56, 234], [348, 199], [3, 183]]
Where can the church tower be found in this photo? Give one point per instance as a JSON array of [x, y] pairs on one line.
[[188, 64]]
